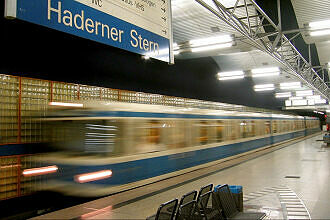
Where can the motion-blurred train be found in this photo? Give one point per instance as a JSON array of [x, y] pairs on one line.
[[100, 148]]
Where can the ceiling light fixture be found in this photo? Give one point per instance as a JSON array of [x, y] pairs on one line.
[[211, 43], [290, 85], [211, 40], [304, 93], [320, 33], [299, 102], [263, 72], [320, 101], [211, 47], [316, 25], [311, 101], [283, 95], [264, 87], [295, 98], [231, 75], [319, 28], [288, 103], [314, 97]]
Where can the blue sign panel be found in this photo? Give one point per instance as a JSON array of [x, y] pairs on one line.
[[78, 19]]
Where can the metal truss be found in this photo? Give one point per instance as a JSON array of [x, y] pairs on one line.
[[273, 41]]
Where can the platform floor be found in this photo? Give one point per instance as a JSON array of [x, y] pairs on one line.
[[289, 183]]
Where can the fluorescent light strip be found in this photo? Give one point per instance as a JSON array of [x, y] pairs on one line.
[[311, 101], [319, 33], [291, 85], [211, 47], [231, 73], [320, 101], [288, 103], [299, 102], [313, 97], [264, 89], [255, 75], [211, 40], [319, 24], [304, 93], [230, 77], [283, 95], [264, 86], [265, 70], [66, 104]]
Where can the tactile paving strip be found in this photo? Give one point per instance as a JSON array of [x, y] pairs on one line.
[[292, 206]]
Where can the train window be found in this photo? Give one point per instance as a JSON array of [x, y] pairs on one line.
[[153, 132], [147, 136], [247, 129], [243, 129], [267, 127], [203, 134], [275, 126], [101, 136], [284, 126], [252, 128], [83, 136], [232, 129], [175, 134], [220, 125], [290, 125]]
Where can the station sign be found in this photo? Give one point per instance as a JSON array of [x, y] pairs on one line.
[[139, 26]]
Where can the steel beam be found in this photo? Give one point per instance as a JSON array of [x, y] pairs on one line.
[[256, 35]]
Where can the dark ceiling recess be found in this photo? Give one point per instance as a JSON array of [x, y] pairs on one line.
[[38, 52]]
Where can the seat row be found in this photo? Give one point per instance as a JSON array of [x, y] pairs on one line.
[[207, 204]]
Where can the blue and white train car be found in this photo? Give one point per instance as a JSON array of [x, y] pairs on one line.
[[102, 148]]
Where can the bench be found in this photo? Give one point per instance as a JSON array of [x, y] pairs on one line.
[[166, 211], [229, 209]]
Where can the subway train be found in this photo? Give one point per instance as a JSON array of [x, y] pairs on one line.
[[99, 148]]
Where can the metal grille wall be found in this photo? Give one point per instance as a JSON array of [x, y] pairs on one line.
[[24, 100]]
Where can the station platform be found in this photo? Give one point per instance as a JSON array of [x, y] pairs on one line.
[[290, 181]]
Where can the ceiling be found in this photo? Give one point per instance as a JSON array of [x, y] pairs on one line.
[[193, 21], [309, 11]]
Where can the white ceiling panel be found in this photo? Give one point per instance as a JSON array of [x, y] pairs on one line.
[[309, 11], [192, 21]]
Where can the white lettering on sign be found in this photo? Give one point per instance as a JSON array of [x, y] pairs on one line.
[[143, 43]]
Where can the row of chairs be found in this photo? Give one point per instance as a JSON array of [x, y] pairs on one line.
[[204, 205]]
